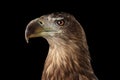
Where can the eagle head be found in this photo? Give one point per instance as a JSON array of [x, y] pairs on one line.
[[59, 25], [68, 57]]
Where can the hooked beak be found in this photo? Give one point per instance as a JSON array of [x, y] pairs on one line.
[[33, 29]]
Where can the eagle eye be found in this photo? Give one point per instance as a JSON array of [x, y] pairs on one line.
[[60, 22]]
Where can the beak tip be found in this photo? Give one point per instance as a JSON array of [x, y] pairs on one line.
[[26, 36], [27, 40]]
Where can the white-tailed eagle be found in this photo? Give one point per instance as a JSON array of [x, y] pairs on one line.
[[68, 57]]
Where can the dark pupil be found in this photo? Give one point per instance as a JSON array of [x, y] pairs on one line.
[[60, 22]]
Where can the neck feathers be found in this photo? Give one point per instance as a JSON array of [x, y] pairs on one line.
[[67, 60]]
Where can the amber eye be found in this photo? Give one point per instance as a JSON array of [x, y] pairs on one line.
[[60, 22]]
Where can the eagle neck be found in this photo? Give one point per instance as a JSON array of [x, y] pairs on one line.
[[64, 59]]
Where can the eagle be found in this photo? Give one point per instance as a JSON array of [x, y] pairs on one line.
[[68, 57]]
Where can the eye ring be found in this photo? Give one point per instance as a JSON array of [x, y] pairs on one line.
[[60, 22]]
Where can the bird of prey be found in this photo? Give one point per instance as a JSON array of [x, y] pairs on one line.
[[68, 57]]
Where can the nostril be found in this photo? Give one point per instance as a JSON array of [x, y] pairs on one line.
[[40, 22]]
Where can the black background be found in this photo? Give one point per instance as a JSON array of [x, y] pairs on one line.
[[25, 61]]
